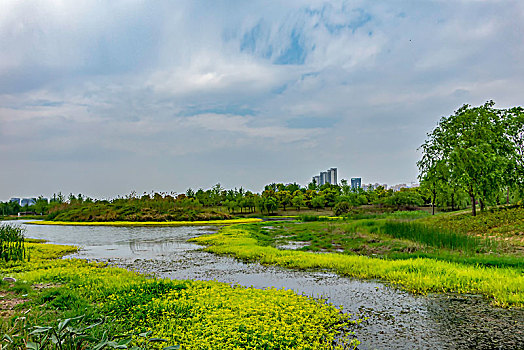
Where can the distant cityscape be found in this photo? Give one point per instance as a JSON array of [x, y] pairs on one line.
[[330, 177], [23, 202], [326, 177]]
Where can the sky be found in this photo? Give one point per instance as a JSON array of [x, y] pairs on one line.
[[107, 97]]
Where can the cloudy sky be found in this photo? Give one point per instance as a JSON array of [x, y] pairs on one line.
[[106, 97]]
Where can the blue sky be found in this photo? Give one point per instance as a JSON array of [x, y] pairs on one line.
[[103, 98]]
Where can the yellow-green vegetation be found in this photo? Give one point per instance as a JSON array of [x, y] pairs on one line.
[[192, 314], [147, 223], [505, 286]]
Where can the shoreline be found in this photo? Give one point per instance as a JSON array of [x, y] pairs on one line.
[[146, 223]]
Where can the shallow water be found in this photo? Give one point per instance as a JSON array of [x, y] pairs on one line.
[[396, 319]]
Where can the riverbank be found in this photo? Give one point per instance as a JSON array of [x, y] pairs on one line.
[[192, 314], [146, 223], [503, 286]]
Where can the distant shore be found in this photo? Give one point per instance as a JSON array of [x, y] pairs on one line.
[[147, 223]]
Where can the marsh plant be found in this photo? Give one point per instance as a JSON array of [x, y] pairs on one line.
[[75, 334], [438, 237], [12, 243]]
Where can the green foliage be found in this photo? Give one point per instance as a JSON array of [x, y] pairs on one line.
[[75, 333], [155, 208], [12, 243], [477, 150], [405, 198]]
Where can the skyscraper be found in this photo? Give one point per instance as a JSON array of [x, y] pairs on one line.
[[323, 177], [356, 182], [332, 176]]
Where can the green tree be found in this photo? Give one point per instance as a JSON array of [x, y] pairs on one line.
[[284, 198], [478, 148], [318, 202], [298, 200]]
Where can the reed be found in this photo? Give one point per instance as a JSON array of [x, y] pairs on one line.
[[437, 237], [12, 243]]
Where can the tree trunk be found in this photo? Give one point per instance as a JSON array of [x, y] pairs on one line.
[[473, 205], [453, 201], [481, 204], [507, 196], [433, 200]]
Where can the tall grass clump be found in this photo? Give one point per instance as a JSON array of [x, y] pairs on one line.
[[12, 243], [437, 237]]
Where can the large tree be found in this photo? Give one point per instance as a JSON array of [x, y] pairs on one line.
[[480, 148]]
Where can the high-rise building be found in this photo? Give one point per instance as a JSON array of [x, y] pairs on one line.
[[316, 180], [323, 178], [332, 176], [15, 200], [356, 182]]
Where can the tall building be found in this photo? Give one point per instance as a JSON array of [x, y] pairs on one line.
[[356, 182], [332, 176], [323, 178], [316, 179], [15, 200]]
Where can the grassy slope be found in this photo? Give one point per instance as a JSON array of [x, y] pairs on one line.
[[193, 314], [504, 223], [505, 286]]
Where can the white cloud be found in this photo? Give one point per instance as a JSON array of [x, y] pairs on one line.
[[172, 83]]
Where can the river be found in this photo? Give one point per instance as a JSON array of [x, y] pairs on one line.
[[395, 319]]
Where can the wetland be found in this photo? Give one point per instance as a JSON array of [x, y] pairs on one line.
[[393, 318]]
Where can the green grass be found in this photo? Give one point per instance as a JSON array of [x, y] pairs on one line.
[[504, 286]]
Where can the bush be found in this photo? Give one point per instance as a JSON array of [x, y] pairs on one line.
[[341, 208]]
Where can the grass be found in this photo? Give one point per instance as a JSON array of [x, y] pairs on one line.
[[146, 223], [192, 314], [504, 286]]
